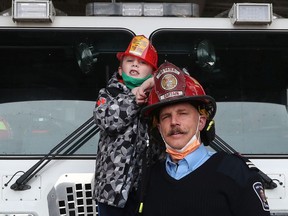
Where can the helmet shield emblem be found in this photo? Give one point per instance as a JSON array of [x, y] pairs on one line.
[[169, 82]]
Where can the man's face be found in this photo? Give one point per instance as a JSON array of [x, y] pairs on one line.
[[178, 124]]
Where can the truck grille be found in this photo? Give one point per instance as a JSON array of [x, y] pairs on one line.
[[72, 197]]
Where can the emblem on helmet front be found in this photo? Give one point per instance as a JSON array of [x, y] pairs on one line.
[[169, 82]]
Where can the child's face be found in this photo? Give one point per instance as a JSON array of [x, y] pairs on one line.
[[135, 67]]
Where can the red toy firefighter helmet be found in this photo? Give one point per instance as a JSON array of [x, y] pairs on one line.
[[142, 48], [173, 85]]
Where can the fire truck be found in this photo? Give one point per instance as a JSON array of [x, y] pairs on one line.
[[53, 65]]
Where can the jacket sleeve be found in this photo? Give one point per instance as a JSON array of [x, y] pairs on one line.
[[114, 112], [249, 198], [253, 200]]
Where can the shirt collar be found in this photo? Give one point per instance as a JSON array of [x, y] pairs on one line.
[[192, 160]]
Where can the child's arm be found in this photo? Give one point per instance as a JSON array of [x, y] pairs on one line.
[[115, 110], [147, 85], [142, 91]]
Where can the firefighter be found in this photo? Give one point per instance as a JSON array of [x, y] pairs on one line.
[[191, 180], [123, 134]]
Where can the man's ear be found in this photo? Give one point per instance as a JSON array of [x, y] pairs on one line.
[[159, 128], [120, 70], [202, 122]]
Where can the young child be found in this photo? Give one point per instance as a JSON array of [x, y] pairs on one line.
[[123, 134]]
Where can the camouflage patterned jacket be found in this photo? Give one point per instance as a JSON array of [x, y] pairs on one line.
[[122, 140]]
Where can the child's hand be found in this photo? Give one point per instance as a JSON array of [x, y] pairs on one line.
[[142, 91], [141, 95]]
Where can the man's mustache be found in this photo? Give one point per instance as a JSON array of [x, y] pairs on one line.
[[176, 130]]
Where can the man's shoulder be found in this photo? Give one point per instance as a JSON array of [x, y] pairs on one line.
[[236, 167]]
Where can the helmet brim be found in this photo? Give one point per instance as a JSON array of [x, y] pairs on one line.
[[120, 56], [204, 99]]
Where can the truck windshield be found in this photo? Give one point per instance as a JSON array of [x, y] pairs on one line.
[[246, 72], [49, 82], [50, 79]]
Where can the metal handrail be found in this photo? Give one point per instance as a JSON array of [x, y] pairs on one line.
[[21, 182]]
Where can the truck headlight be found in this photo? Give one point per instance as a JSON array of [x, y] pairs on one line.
[[32, 10], [251, 13]]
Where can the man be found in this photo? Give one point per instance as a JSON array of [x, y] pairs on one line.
[[191, 180]]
